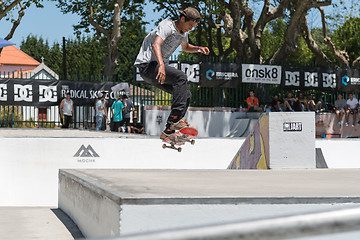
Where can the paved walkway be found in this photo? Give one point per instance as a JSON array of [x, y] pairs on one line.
[[17, 223]]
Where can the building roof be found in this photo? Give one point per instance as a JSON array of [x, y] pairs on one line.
[[11, 55]]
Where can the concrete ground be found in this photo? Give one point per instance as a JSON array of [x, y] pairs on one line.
[[17, 223], [168, 186], [152, 198], [46, 223]]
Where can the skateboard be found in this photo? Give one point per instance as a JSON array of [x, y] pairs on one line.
[[180, 137]]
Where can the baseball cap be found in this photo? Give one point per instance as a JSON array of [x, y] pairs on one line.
[[191, 13]]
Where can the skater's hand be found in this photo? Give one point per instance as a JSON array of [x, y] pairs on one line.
[[204, 50], [161, 74]]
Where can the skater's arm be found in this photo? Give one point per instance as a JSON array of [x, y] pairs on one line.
[[187, 47], [157, 51]]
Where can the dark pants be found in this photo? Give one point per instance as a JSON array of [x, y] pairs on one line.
[[175, 84], [66, 121]]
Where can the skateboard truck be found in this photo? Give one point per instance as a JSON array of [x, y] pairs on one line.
[[179, 138], [172, 146]]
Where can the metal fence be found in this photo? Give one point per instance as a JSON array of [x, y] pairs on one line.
[[143, 94], [44, 117]]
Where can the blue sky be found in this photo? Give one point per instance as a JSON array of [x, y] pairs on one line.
[[50, 24]]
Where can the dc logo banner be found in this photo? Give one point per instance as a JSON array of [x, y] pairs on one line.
[[23, 93], [311, 79], [192, 71], [3, 92], [47, 93], [329, 80], [292, 79]]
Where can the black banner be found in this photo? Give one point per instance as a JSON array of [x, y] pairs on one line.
[[33, 92], [232, 75], [349, 80], [226, 75], [309, 78]]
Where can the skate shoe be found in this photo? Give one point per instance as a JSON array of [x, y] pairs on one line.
[[179, 125], [166, 133]]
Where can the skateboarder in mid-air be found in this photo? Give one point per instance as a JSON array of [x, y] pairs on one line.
[[153, 64]]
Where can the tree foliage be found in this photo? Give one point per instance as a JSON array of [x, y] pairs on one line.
[[347, 37], [8, 9], [84, 55], [268, 31], [105, 18]]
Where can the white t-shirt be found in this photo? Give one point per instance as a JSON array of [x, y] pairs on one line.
[[352, 103], [100, 104], [172, 39], [67, 107]]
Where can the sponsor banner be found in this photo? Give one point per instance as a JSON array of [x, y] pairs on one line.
[[266, 74], [192, 71], [33, 92], [309, 78], [226, 75], [348, 80], [189, 69]]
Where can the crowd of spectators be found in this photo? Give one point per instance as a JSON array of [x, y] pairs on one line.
[[300, 103]]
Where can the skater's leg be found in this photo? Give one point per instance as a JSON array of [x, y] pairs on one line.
[[176, 84]]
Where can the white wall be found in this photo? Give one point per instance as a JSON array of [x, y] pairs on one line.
[[292, 149], [340, 153], [208, 123], [29, 166]]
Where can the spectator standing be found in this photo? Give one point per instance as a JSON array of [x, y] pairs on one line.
[[67, 111], [352, 105], [101, 112], [340, 107], [253, 102], [128, 108], [105, 119], [117, 109]]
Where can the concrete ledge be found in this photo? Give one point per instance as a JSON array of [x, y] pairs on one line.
[[100, 201]]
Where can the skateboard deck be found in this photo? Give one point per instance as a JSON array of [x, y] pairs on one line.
[[180, 138]]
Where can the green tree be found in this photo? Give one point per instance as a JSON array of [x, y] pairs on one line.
[[106, 19], [7, 12], [133, 33], [249, 29], [347, 37], [84, 55], [36, 48]]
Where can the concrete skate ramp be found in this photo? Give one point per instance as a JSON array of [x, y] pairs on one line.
[[320, 160], [278, 140], [136, 201], [242, 127], [31, 159]]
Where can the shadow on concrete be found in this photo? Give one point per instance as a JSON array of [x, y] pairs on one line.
[[68, 223]]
